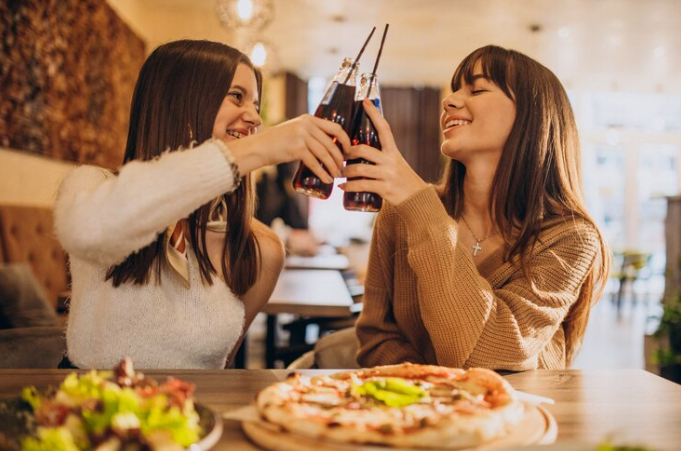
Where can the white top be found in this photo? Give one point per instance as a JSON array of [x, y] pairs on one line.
[[100, 219]]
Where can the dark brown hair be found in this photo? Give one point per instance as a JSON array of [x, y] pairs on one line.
[[538, 177], [177, 97]]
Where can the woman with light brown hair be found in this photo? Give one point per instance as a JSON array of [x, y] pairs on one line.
[[499, 266], [168, 265]]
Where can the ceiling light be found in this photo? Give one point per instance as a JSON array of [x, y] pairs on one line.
[[244, 9], [251, 14], [263, 55], [258, 54]]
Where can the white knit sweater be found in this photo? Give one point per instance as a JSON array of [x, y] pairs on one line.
[[100, 219]]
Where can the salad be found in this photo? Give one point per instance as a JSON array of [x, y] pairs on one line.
[[110, 411]]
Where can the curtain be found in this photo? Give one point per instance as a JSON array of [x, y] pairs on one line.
[[414, 117], [296, 96]]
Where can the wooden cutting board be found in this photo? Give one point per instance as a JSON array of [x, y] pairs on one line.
[[538, 427]]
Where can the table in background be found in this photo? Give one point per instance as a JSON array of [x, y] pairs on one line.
[[338, 262], [630, 406], [312, 293]]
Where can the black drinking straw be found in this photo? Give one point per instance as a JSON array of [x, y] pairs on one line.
[[359, 55], [378, 58]]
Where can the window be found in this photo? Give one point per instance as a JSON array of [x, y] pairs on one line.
[[631, 144]]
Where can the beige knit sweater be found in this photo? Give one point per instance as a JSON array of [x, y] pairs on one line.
[[427, 302]]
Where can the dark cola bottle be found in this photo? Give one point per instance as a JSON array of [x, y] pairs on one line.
[[336, 106], [364, 132]]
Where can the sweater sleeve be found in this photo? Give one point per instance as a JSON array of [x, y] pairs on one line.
[[102, 218], [469, 322], [381, 342]]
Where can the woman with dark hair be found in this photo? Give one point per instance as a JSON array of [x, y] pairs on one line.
[[499, 266], [147, 244]]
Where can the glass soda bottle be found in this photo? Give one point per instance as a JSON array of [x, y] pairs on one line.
[[336, 106], [364, 132]]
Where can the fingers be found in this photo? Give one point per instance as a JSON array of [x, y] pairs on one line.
[[333, 129], [362, 185], [310, 160], [362, 170], [321, 151], [385, 135], [367, 152], [331, 155]]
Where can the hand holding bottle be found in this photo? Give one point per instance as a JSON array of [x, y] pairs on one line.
[[306, 138], [390, 176], [336, 106]]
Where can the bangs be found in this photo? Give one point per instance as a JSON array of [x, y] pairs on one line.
[[495, 62]]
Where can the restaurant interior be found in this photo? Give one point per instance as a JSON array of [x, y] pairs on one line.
[[67, 74]]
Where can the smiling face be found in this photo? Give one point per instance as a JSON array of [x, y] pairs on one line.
[[238, 115], [477, 119]]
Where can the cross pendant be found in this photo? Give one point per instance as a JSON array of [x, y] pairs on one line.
[[476, 249]]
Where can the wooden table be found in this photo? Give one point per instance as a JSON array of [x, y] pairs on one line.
[[632, 406]]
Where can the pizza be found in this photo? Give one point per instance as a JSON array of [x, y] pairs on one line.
[[405, 406]]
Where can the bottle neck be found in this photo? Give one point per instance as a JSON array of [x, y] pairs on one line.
[[368, 88], [347, 74], [349, 77]]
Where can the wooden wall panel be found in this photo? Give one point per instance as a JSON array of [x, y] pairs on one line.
[[414, 116], [67, 74]]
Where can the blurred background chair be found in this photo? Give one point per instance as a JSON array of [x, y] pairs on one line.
[[337, 350], [27, 236], [31, 332], [630, 267], [33, 285]]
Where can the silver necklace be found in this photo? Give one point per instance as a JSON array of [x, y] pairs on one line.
[[476, 248]]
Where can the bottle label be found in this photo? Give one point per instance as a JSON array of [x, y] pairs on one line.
[[377, 104], [329, 93]]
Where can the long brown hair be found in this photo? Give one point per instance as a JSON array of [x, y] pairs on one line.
[[538, 177], [177, 97]]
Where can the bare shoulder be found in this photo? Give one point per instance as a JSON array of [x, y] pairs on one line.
[[271, 248]]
